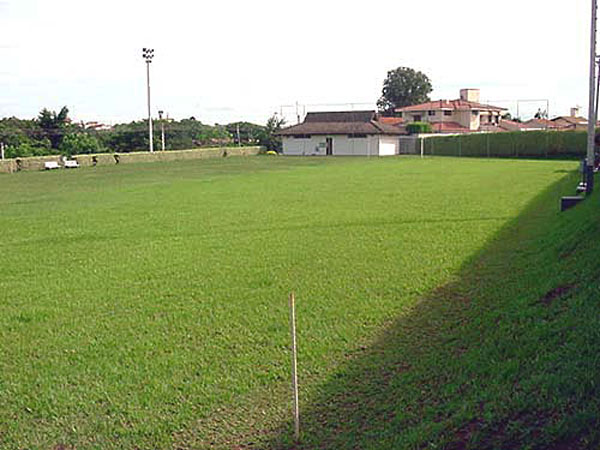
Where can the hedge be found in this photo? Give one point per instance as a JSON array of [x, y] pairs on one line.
[[418, 127], [527, 144]]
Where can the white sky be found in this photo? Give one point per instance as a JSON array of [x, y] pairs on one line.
[[223, 61]]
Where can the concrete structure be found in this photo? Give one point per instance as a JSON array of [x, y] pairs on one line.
[[346, 133], [463, 115]]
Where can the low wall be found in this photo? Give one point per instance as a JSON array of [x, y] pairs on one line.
[[30, 163], [106, 159]]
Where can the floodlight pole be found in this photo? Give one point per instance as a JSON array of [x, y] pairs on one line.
[[589, 169], [148, 54]]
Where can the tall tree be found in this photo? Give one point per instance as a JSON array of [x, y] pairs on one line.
[[404, 87], [53, 125], [268, 139]]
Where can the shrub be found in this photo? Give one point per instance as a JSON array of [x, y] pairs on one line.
[[418, 128]]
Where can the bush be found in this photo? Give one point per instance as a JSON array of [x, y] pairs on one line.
[[418, 127]]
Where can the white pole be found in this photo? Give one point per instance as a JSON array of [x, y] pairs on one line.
[[294, 366], [421, 146], [149, 111], [162, 129], [1, 150], [591, 104]]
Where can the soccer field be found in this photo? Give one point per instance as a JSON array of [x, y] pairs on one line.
[[145, 305]]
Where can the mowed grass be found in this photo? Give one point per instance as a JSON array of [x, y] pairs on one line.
[[145, 306]]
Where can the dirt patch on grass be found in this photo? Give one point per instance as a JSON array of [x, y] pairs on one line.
[[556, 293]]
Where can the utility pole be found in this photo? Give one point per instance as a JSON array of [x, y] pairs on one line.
[[162, 129], [148, 54], [589, 169]]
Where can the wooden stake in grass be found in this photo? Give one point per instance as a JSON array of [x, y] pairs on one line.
[[294, 366]]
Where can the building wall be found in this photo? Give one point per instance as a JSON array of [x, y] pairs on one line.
[[342, 145], [389, 145]]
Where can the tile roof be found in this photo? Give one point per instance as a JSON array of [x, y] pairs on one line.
[[540, 124], [340, 116], [449, 127], [341, 122], [392, 120], [452, 105], [510, 125], [324, 128]]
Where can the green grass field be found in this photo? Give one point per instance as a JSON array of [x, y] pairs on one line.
[[440, 304]]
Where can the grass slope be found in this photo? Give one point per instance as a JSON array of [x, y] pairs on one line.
[[145, 306], [505, 355]]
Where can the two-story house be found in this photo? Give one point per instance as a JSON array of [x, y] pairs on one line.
[[462, 115]]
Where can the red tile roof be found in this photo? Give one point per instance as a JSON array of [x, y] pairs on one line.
[[452, 105], [540, 124], [449, 127], [392, 120]]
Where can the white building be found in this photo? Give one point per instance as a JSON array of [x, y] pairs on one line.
[[347, 133]]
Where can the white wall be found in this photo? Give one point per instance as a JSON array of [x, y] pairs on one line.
[[342, 145], [293, 146], [389, 145]]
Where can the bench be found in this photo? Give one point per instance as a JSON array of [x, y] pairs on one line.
[[49, 165], [71, 164]]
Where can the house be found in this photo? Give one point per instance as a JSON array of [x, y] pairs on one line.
[[463, 115], [341, 133], [560, 123], [571, 123]]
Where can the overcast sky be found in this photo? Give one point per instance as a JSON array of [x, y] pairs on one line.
[[223, 61]]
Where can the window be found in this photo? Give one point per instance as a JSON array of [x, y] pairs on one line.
[[431, 113], [475, 112], [301, 136], [447, 113], [357, 136], [399, 114], [417, 118]]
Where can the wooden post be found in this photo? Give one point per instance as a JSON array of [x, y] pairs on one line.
[[294, 366]]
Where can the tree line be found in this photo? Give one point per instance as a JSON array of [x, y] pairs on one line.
[[53, 133]]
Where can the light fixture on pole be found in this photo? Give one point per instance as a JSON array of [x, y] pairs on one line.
[[162, 129], [148, 54]]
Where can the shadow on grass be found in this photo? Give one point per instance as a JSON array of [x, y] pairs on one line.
[[502, 357]]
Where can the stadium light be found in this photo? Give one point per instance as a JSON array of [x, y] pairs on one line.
[[148, 54]]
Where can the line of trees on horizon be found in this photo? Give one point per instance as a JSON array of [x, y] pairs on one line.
[[53, 133]]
